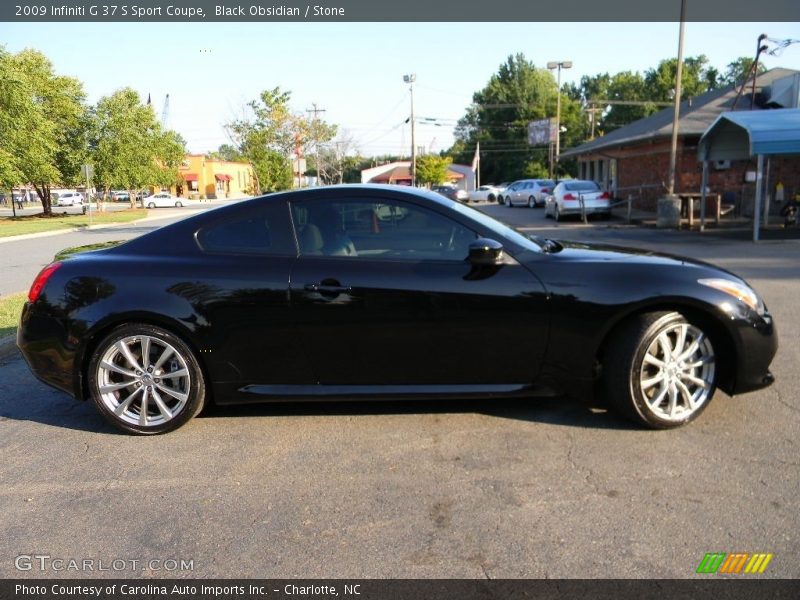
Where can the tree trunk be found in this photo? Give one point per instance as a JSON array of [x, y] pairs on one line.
[[43, 192]]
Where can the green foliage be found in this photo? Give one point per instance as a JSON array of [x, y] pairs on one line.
[[736, 72], [518, 93], [43, 124], [227, 152], [432, 169], [129, 148], [270, 134]]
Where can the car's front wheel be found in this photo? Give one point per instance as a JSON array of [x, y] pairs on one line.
[[178, 204], [151, 205], [660, 370], [145, 380]]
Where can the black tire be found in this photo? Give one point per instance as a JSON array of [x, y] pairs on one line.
[[556, 213], [127, 399], [508, 202], [492, 198], [531, 202], [178, 204], [151, 205], [623, 362]]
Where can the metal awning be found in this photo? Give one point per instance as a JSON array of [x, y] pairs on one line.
[[222, 177], [190, 176], [746, 134]]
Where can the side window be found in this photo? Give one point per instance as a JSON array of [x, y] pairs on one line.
[[265, 230], [378, 229]]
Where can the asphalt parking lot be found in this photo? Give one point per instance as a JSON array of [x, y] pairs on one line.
[[485, 489]]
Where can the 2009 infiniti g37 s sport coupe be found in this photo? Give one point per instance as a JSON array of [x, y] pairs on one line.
[[370, 291]]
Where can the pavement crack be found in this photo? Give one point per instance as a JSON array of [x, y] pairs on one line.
[[779, 396], [585, 472]]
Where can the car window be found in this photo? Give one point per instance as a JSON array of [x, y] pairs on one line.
[[378, 229], [582, 186], [265, 230]]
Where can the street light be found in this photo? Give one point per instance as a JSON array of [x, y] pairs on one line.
[[410, 79], [561, 64]]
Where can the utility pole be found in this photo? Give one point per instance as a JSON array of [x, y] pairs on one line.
[[673, 151], [561, 64], [316, 112], [410, 79]]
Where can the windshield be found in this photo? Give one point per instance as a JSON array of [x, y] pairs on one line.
[[530, 242]]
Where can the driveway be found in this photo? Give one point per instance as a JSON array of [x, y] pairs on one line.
[[500, 489]]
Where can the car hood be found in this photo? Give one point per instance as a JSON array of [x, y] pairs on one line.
[[605, 253]]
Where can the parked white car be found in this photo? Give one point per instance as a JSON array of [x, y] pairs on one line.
[[528, 192], [163, 200], [568, 195], [485, 193], [69, 199]]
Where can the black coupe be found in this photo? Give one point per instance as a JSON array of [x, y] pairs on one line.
[[351, 292]]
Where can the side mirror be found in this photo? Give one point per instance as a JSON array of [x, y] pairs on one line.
[[485, 252]]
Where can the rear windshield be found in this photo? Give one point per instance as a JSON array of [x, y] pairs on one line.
[[582, 186]]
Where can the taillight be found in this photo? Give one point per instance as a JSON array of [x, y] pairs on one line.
[[569, 197], [605, 196], [41, 280], [545, 190]]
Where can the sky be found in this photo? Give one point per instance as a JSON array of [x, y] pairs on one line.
[[354, 71]]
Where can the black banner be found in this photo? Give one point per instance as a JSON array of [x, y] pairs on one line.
[[401, 589], [407, 10]]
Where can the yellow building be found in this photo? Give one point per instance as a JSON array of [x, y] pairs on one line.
[[212, 178]]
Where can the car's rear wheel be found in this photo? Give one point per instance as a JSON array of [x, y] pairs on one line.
[[145, 380], [556, 213], [660, 370], [178, 204], [151, 205], [531, 202], [492, 198], [508, 202]]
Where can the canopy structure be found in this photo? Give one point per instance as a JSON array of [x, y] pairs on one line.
[[745, 134]]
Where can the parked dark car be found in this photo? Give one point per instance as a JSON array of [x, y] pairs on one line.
[[452, 192], [350, 292]]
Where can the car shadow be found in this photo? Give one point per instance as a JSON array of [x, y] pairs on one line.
[[551, 411], [57, 409]]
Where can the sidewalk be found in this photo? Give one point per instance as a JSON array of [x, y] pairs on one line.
[[729, 227]]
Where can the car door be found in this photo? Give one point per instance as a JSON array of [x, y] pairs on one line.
[[382, 296], [242, 292]]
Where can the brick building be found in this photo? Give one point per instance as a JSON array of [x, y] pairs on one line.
[[634, 160]]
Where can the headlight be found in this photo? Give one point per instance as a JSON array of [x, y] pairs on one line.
[[741, 292]]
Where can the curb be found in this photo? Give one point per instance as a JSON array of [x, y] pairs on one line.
[[42, 234], [8, 347]]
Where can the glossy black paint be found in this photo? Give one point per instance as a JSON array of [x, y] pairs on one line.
[[305, 327]]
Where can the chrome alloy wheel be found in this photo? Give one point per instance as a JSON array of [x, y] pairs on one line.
[[143, 380], [677, 373]]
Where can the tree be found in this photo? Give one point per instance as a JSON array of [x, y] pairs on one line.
[[269, 133], [129, 149], [227, 152], [336, 158], [518, 93], [737, 71], [432, 169], [44, 124]]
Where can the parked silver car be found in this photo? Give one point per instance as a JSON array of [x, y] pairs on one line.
[[528, 192], [568, 196]]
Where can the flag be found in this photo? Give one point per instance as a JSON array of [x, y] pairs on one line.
[[477, 158]]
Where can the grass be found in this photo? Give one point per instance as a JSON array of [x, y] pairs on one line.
[[10, 226], [10, 308]]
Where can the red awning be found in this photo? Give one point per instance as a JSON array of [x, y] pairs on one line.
[[190, 176], [222, 177]]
